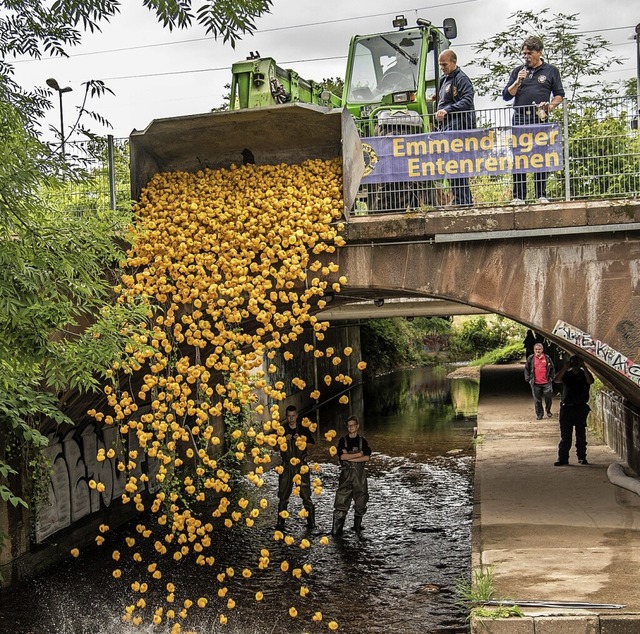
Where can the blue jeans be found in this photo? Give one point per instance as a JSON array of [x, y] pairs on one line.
[[461, 191]]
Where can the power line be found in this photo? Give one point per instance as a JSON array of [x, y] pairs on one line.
[[259, 31], [217, 69], [282, 28], [298, 26]]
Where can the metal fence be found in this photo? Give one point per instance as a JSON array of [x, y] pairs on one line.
[[100, 181], [600, 147]]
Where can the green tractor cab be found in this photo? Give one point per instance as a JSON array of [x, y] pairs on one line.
[[392, 78]]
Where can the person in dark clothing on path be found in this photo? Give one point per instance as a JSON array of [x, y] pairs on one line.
[[456, 111], [539, 372], [354, 452], [574, 408], [529, 342], [533, 86], [294, 461]]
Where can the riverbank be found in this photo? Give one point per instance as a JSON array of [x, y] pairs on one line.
[[550, 533]]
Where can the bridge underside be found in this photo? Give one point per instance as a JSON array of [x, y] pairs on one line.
[[573, 263], [397, 307]]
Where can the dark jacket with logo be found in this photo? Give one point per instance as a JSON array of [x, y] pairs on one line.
[[456, 97], [537, 87]]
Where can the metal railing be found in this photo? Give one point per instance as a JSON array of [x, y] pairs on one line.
[[100, 181], [600, 147], [600, 151]]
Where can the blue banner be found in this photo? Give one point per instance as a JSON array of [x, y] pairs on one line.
[[463, 153]]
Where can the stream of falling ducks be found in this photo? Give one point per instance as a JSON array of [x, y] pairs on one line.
[[212, 252]]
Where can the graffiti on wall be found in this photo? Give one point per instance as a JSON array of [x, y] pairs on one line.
[[599, 349], [74, 463]]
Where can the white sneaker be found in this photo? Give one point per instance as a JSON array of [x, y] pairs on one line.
[[517, 201], [543, 200]]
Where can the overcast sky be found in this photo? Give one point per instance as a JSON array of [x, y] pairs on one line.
[[157, 74]]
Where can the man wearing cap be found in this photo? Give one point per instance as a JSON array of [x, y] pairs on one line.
[[576, 381]]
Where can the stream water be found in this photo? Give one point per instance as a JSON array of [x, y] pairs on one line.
[[398, 575]]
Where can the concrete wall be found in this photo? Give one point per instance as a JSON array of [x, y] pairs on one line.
[[65, 510], [618, 421]]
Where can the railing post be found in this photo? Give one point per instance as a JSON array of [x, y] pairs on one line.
[[112, 172], [565, 141]]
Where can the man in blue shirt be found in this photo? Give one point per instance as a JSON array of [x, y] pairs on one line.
[[533, 86], [456, 111]]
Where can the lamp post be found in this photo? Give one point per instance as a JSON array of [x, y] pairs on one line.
[[52, 83]]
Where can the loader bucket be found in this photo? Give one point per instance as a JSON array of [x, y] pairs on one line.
[[288, 133]]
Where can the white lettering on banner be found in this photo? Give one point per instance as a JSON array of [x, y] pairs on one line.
[[599, 349]]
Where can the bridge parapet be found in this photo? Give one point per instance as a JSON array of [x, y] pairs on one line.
[[495, 222]]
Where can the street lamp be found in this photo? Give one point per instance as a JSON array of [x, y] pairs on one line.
[[52, 83]]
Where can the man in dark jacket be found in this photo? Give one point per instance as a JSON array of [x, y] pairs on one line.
[[576, 381], [295, 469], [532, 86], [539, 372], [456, 111]]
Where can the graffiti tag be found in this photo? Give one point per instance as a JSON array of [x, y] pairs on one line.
[[599, 349]]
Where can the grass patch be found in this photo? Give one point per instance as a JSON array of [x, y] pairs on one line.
[[506, 354], [480, 589]]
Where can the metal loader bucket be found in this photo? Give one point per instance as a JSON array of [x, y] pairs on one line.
[[289, 133]]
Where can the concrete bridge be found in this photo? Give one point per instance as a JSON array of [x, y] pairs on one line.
[[570, 271]]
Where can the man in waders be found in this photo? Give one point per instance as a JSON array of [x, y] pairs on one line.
[[354, 452], [295, 469]]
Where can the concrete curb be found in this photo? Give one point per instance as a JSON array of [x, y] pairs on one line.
[[614, 624]]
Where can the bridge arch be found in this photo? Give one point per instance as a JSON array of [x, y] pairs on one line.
[[571, 264]]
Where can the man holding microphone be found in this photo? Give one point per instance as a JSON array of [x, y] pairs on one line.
[[537, 89]]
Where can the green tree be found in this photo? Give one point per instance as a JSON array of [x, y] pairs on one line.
[[56, 264], [334, 85], [581, 60], [54, 268], [479, 335], [36, 27], [391, 343], [386, 344], [605, 153]]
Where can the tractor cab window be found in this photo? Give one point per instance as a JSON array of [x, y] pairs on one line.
[[383, 64]]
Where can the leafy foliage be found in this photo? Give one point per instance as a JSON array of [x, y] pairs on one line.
[[384, 344], [392, 343], [478, 335], [580, 59], [605, 151], [334, 85], [506, 354], [54, 266]]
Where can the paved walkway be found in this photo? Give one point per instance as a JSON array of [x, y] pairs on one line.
[[551, 533]]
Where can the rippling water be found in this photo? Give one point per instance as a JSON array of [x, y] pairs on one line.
[[399, 575]]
